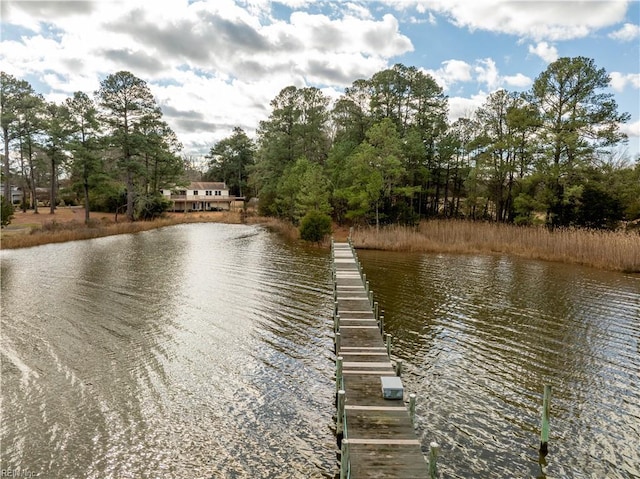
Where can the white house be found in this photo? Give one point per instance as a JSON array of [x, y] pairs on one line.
[[200, 196], [16, 194]]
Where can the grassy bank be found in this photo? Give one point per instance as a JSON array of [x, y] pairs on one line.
[[53, 231], [616, 251]]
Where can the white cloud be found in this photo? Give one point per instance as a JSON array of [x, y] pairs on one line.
[[628, 32], [518, 80], [358, 11], [452, 71], [460, 107], [485, 70], [211, 64], [487, 73], [631, 129], [549, 20], [619, 81], [547, 52]]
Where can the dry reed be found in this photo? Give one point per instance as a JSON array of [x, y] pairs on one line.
[[617, 251], [59, 232]]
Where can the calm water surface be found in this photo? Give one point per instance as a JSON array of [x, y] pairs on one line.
[[193, 351], [204, 351], [481, 335]]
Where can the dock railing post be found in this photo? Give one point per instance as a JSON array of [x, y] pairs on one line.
[[340, 418], [544, 429], [389, 344], [433, 460], [412, 408], [376, 311], [382, 323], [399, 367], [338, 344], [344, 459], [339, 360]]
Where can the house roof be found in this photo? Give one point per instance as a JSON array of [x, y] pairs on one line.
[[207, 185]]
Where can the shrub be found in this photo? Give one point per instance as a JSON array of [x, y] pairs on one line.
[[151, 206], [6, 210], [315, 226]]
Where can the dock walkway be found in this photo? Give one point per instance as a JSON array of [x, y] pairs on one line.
[[378, 438]]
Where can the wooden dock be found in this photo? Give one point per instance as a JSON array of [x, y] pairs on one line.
[[377, 435]]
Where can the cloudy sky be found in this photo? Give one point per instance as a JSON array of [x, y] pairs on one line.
[[216, 64]]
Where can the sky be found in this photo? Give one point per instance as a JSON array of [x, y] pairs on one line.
[[216, 64]]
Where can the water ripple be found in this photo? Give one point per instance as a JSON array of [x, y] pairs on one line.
[[481, 335]]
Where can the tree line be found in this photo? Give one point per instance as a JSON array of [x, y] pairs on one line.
[[114, 146], [384, 152]]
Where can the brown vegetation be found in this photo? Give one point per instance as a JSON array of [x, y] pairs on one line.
[[616, 251], [28, 229]]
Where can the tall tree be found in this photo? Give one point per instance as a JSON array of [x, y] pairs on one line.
[[12, 95], [578, 118], [127, 103], [373, 172], [230, 160], [57, 129], [84, 142], [31, 125], [296, 128]]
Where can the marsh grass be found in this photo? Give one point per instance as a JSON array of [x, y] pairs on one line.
[[617, 251], [59, 232]]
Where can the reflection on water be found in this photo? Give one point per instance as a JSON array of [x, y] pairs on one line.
[[481, 335], [198, 350]]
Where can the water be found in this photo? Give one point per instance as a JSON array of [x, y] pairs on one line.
[[193, 351], [481, 335], [204, 351]]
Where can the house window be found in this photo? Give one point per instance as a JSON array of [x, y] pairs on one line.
[[195, 192], [208, 193], [218, 193]]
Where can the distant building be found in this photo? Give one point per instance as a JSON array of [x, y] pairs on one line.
[[201, 196], [16, 194]]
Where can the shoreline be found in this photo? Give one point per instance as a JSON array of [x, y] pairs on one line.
[[606, 250]]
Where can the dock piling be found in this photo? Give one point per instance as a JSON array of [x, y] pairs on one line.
[[344, 459], [399, 367], [544, 429], [412, 408], [339, 360], [340, 419], [433, 460]]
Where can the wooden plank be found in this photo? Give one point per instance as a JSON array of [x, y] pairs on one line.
[[403, 442]]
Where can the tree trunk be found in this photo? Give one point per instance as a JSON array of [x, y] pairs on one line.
[[130, 196], [7, 169], [52, 195]]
